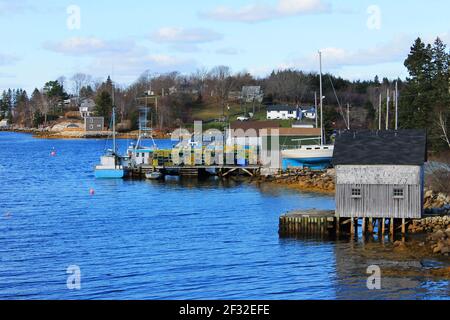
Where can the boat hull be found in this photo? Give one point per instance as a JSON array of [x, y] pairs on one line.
[[313, 157], [109, 173]]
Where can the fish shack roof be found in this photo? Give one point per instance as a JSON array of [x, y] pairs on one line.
[[403, 147]]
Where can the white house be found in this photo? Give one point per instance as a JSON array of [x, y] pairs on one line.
[[87, 108], [283, 113]]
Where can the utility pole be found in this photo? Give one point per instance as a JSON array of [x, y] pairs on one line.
[[380, 110], [387, 108], [321, 101], [396, 105]]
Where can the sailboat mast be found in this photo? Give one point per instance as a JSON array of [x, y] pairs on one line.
[[321, 101], [317, 111], [114, 121]]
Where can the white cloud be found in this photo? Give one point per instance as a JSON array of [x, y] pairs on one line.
[[334, 58], [8, 7], [181, 35], [228, 51], [8, 59], [123, 58], [89, 45], [262, 12]]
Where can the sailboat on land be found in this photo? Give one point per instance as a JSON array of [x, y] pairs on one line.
[[311, 156]]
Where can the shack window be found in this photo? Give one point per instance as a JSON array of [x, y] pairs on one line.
[[356, 193], [399, 193]]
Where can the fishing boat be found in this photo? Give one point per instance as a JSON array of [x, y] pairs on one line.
[[138, 154], [111, 164], [310, 156]]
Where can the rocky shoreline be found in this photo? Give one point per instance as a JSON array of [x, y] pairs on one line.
[[68, 135], [305, 180]]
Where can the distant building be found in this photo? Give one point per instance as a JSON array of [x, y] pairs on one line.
[[94, 124], [252, 94], [87, 108], [283, 113], [4, 124], [380, 174]]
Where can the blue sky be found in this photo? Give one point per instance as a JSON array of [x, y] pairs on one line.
[[41, 40]]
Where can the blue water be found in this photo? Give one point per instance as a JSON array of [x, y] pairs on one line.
[[164, 240]]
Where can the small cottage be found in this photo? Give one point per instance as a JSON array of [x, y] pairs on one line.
[[283, 113], [380, 174]]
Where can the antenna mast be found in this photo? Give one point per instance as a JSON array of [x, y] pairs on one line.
[[321, 101]]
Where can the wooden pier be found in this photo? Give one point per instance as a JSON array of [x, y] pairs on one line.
[[320, 224], [199, 170], [308, 223]]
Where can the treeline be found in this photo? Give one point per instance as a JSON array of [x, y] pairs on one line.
[[178, 94], [424, 96]]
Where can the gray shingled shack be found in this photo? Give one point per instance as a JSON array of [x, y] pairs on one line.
[[380, 174]]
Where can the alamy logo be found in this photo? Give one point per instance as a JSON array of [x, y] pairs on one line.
[[374, 20], [74, 278], [374, 280], [244, 147], [74, 18]]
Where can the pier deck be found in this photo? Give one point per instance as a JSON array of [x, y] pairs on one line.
[[320, 223], [194, 170]]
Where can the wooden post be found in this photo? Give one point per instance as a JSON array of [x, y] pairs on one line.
[[403, 226], [370, 229], [383, 227], [364, 226], [352, 226], [338, 226], [392, 231]]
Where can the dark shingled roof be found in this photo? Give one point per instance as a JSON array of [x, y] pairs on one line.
[[403, 147]]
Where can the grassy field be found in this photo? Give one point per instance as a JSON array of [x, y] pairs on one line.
[[214, 111], [211, 115]]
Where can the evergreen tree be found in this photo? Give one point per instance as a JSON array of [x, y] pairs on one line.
[[103, 105]]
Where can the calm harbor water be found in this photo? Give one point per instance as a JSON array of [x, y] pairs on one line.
[[177, 239]]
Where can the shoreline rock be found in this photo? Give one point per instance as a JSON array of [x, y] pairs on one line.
[[304, 179]]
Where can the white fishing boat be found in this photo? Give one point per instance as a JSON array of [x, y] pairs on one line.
[[111, 164]]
